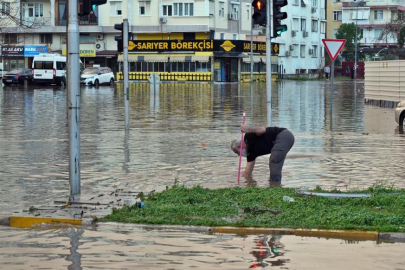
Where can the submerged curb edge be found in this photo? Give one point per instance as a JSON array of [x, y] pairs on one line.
[[24, 222]]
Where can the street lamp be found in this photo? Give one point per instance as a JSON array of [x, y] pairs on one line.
[[377, 54], [360, 3]]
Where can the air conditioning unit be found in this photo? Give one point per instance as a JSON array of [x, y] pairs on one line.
[[100, 36], [311, 51], [313, 9], [100, 46], [291, 47], [230, 16], [287, 53], [293, 33], [162, 20], [304, 34]]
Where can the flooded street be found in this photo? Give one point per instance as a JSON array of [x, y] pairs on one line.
[[183, 131]]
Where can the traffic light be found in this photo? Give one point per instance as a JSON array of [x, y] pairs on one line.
[[260, 13], [278, 15], [119, 39], [90, 5]]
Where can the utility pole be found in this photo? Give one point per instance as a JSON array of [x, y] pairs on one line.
[[73, 86], [268, 60]]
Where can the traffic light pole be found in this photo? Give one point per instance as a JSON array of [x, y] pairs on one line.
[[268, 61], [126, 73], [73, 86]]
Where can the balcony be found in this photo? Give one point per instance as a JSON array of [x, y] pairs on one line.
[[37, 21], [87, 20]]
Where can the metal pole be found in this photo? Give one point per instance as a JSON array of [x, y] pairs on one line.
[[251, 50], [355, 44], [126, 79], [268, 62], [332, 76], [74, 98]]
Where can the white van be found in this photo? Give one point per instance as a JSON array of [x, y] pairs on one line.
[[49, 68]]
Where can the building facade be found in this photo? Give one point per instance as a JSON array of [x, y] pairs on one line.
[[301, 49]]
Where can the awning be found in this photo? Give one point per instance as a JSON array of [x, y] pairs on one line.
[[163, 58], [230, 54], [106, 54], [256, 59]]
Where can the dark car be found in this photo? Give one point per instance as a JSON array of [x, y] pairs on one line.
[[18, 76]]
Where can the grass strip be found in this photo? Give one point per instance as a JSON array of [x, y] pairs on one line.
[[383, 211]]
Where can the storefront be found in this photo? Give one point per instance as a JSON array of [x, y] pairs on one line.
[[91, 58], [19, 57], [193, 60]]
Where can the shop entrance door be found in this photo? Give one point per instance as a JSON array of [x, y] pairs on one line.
[[228, 69]]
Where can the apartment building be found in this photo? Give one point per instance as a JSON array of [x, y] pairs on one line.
[[149, 20], [334, 17], [301, 49], [371, 16]]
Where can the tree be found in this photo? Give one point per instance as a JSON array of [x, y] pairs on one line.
[[393, 28], [401, 37], [11, 20], [348, 31]]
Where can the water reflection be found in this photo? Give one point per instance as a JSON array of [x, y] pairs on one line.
[[128, 247], [268, 251]]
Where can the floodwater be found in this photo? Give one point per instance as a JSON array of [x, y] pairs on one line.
[[183, 132], [125, 247]]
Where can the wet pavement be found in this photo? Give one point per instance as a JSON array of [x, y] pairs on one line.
[[183, 131]]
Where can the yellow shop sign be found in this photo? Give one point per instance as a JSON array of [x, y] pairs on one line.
[[84, 53]]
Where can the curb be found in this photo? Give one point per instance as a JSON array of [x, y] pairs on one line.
[[24, 222]]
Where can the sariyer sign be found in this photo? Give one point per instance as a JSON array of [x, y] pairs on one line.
[[198, 46]]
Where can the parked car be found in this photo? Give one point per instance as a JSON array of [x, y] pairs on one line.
[[96, 76], [18, 76], [400, 113]]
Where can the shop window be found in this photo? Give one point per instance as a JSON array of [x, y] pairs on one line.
[[174, 67], [186, 66], [192, 66], [138, 66], [45, 38], [161, 66]]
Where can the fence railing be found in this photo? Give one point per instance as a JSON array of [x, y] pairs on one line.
[[166, 76], [87, 20], [37, 21]]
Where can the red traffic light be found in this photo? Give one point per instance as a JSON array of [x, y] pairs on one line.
[[258, 4]]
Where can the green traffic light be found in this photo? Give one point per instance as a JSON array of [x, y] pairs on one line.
[[282, 30]]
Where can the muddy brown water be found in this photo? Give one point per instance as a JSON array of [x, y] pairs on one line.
[[183, 131]]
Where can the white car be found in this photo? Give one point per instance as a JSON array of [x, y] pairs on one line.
[[96, 76], [400, 113]]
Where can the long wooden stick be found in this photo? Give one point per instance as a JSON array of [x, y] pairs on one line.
[[241, 147]]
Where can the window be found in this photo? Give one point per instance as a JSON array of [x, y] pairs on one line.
[[235, 11], [167, 10], [314, 26], [222, 36], [115, 8], [45, 38], [60, 65], [378, 15], [144, 8], [235, 36], [295, 2], [315, 3], [221, 10], [43, 65], [11, 38], [337, 15], [296, 24], [302, 50], [295, 50], [377, 33], [33, 10], [303, 24], [183, 9], [314, 51], [5, 9], [323, 27], [334, 33]]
